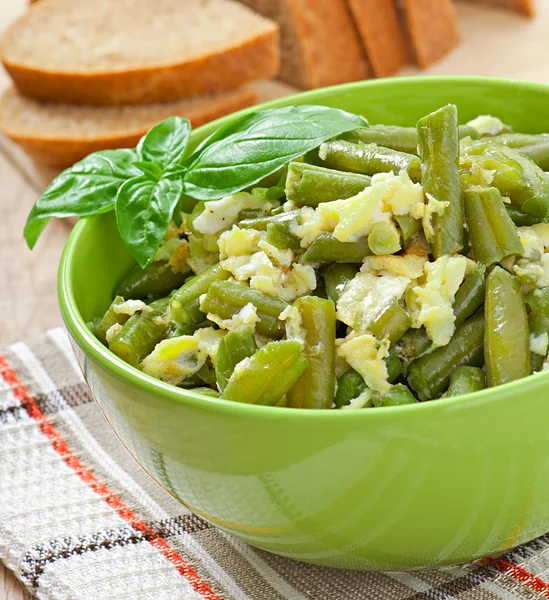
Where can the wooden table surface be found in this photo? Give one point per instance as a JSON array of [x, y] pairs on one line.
[[494, 43]]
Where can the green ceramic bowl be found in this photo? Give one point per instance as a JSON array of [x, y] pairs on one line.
[[415, 486]]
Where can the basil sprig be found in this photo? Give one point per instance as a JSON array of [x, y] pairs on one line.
[[145, 185]]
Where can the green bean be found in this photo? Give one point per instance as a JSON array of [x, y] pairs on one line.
[[280, 236], [234, 347], [515, 175], [207, 391], [141, 332], [384, 239], [394, 366], [225, 299], [251, 213], [157, 279], [336, 276], [519, 217], [268, 375], [413, 344], [538, 301], [206, 374], [519, 140], [538, 153], [538, 326], [398, 395], [368, 159], [392, 323], [349, 386], [110, 318], [185, 301], [470, 295], [429, 375], [492, 233], [439, 153], [310, 184], [316, 386], [261, 223], [507, 341], [326, 248], [403, 139], [466, 380], [408, 226]]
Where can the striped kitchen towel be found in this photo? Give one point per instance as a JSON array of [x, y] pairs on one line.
[[80, 520]]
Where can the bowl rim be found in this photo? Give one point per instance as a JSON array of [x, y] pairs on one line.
[[116, 366]]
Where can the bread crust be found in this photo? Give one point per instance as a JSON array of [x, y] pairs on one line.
[[380, 30], [256, 58], [329, 44], [64, 150], [432, 27]]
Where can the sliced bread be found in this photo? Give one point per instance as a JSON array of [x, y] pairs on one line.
[[379, 26], [59, 135], [319, 42], [433, 28], [526, 7], [137, 51]]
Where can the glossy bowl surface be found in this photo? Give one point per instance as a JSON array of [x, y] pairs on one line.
[[416, 486]]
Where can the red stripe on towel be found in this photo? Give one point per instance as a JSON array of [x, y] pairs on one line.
[[100, 488]]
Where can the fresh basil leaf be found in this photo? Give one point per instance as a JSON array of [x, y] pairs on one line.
[[87, 188], [256, 145], [153, 170], [144, 209], [166, 142]]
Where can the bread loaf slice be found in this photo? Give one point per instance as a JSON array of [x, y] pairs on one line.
[[526, 7], [137, 51], [59, 135], [433, 28], [319, 43], [382, 36]]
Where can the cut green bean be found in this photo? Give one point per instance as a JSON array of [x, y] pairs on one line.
[[207, 391], [280, 236], [507, 340], [408, 226], [316, 386], [439, 153], [261, 223], [397, 396], [141, 332], [157, 279], [492, 233], [185, 301], [538, 301], [233, 348], [310, 184], [413, 344], [394, 366], [349, 386], [336, 277], [519, 140], [521, 218], [466, 380], [268, 375], [539, 332], [470, 295], [326, 248], [368, 159], [225, 299], [539, 153], [429, 375], [110, 318], [384, 239], [392, 323]]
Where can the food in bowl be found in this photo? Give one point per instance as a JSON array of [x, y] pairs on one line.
[[299, 258]]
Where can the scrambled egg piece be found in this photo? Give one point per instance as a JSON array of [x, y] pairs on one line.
[[488, 125], [366, 296], [245, 317], [130, 307], [175, 359], [219, 215], [409, 265], [531, 242], [533, 267], [362, 400], [113, 330], [249, 258], [294, 324], [431, 303], [427, 212], [355, 217], [539, 343], [365, 355]]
